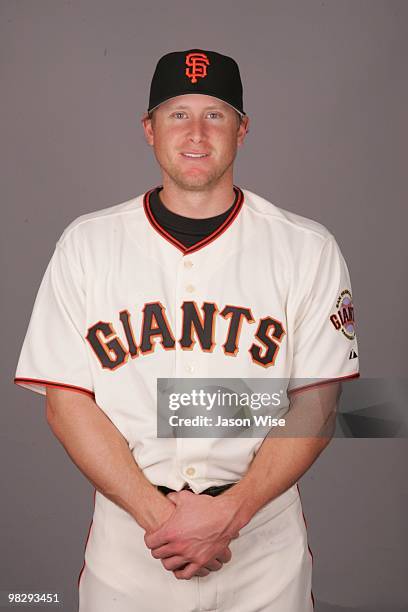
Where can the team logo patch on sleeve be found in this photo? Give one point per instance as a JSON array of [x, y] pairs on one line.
[[343, 319]]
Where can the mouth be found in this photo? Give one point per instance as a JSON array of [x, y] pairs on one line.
[[190, 155]]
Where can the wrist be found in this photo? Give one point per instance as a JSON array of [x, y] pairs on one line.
[[238, 506], [151, 509], [243, 501]]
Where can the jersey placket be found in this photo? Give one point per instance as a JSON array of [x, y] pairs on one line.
[[187, 362]]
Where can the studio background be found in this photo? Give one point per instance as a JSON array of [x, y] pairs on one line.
[[326, 91]]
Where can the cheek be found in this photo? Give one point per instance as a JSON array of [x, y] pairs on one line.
[[225, 137], [163, 144], [169, 142], [226, 143]]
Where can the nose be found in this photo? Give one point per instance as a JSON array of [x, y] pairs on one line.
[[196, 130]]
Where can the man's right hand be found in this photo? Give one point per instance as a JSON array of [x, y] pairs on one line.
[[215, 564], [162, 510]]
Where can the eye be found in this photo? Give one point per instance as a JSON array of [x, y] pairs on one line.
[[214, 114], [178, 114]]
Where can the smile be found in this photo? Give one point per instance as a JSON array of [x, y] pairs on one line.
[[195, 155]]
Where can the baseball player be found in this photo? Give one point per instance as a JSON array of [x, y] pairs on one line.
[[196, 278]]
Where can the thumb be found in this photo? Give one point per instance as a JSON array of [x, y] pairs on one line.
[[174, 498]]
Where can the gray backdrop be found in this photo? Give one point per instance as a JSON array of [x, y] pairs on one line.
[[325, 86]]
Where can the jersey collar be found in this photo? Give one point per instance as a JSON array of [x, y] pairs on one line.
[[239, 200]]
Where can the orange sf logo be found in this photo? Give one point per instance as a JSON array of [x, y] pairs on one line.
[[198, 63]]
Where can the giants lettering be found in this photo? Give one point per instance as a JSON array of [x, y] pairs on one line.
[[203, 327], [197, 324], [344, 315], [268, 339], [107, 346], [236, 316]]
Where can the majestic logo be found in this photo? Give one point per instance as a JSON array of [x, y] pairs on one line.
[[343, 319], [198, 63]]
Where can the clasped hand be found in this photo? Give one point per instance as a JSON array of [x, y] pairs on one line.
[[195, 539]]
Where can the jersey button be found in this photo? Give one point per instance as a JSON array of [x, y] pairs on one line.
[[190, 471], [190, 368], [188, 263], [190, 288]]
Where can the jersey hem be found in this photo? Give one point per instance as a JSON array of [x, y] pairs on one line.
[[27, 382], [327, 381]]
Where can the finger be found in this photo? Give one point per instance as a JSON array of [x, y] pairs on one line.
[[189, 571], [213, 565], [224, 556], [174, 563], [163, 552], [202, 572], [156, 539]]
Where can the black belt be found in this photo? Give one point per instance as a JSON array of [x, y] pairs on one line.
[[213, 491]]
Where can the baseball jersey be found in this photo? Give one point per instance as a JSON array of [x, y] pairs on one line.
[[122, 303]]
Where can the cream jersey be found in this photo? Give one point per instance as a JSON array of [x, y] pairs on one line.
[[122, 303]]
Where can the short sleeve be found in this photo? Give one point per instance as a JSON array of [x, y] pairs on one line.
[[324, 339], [54, 351]]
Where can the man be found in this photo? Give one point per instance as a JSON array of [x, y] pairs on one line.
[[194, 279]]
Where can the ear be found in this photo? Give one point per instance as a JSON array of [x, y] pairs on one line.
[[243, 130], [147, 124]]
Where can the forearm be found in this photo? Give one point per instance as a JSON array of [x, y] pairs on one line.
[[102, 454], [278, 464], [281, 461]]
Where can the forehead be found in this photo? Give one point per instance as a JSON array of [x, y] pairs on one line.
[[195, 102]]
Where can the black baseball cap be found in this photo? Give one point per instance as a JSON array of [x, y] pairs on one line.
[[196, 71]]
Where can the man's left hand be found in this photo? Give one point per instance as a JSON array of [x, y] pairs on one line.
[[199, 530]]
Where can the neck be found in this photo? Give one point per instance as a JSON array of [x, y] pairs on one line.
[[212, 200]]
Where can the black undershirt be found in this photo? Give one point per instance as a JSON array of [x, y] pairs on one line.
[[186, 230]]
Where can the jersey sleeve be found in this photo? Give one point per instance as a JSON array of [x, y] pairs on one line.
[[54, 351], [324, 339]]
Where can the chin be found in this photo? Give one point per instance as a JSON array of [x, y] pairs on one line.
[[194, 183]]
